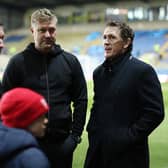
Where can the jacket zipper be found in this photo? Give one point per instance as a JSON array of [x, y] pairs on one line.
[[47, 85]]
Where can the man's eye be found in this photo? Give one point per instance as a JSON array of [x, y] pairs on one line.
[[52, 30], [42, 30], [111, 37], [104, 37]]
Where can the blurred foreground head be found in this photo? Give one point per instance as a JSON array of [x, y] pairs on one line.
[[25, 109]]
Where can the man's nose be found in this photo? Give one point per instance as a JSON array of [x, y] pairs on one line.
[[47, 34], [45, 120], [106, 41]]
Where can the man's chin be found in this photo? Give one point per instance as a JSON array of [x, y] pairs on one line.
[[47, 48], [107, 56]]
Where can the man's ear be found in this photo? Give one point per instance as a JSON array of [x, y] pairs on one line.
[[127, 43], [31, 29]]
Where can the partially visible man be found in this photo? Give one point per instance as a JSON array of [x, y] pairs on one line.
[[128, 105], [2, 35], [56, 74]]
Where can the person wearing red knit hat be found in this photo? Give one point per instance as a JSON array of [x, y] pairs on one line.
[[22, 112]]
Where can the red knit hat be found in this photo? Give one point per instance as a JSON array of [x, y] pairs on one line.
[[19, 107]]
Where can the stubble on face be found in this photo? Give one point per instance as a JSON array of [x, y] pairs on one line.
[[44, 34]]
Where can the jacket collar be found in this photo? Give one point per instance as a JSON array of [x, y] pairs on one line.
[[113, 65], [55, 50]]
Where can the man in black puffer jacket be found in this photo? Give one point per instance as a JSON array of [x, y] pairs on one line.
[[46, 68]]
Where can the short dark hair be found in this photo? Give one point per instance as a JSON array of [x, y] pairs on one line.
[[125, 30]]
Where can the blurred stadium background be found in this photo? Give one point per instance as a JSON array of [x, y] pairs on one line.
[[81, 23]]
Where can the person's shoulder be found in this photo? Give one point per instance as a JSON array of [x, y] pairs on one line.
[[29, 157], [19, 137], [98, 69], [17, 57], [139, 64], [140, 68], [70, 58], [35, 158], [13, 142], [69, 55]]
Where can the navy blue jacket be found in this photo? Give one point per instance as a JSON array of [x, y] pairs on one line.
[[19, 149]]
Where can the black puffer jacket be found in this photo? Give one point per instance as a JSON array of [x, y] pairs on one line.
[[59, 77]]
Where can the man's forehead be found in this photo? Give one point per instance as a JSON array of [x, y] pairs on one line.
[[46, 24], [1, 28], [111, 30], [1, 31]]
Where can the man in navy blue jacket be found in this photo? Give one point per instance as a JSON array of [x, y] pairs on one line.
[[128, 105], [23, 116]]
